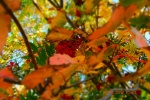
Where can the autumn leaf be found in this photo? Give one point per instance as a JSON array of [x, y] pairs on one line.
[[60, 59], [37, 77], [59, 20], [58, 34], [13, 5], [5, 73], [58, 79], [120, 13], [96, 42], [90, 5]]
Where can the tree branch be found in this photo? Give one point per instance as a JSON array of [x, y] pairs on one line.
[[61, 3], [22, 32], [51, 2]]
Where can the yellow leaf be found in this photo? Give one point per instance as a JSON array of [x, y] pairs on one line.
[[90, 5], [97, 42], [59, 20], [79, 59], [58, 34], [61, 76], [99, 65], [58, 79]]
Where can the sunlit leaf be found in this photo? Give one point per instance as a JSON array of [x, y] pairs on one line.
[[36, 77], [117, 17], [59, 59], [58, 34]]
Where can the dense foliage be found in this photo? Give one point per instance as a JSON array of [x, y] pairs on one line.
[[74, 50]]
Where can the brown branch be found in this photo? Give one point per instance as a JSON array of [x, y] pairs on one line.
[[21, 30], [57, 4], [70, 22], [51, 2], [11, 80], [61, 3]]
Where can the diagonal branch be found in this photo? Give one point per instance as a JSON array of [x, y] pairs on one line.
[[51, 2], [61, 3], [22, 32]]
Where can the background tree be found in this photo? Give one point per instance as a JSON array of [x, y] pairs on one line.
[[74, 49]]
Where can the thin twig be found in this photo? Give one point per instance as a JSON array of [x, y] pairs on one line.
[[51, 2], [70, 22], [57, 4], [22, 32], [39, 9]]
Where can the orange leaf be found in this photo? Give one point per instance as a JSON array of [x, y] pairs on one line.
[[4, 29], [58, 79], [14, 5], [36, 77], [4, 84], [5, 20], [121, 13], [3, 96], [5, 73]]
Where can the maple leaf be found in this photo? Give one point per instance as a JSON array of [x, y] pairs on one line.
[[120, 13], [58, 34], [5, 20], [37, 77]]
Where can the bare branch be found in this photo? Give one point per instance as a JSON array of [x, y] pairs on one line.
[[61, 3], [53, 3]]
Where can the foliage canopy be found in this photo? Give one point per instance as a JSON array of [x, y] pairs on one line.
[[74, 50]]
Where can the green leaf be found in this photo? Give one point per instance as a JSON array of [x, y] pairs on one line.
[[39, 61], [33, 47], [31, 65], [42, 55], [140, 22], [126, 3], [50, 49], [88, 53], [26, 57]]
